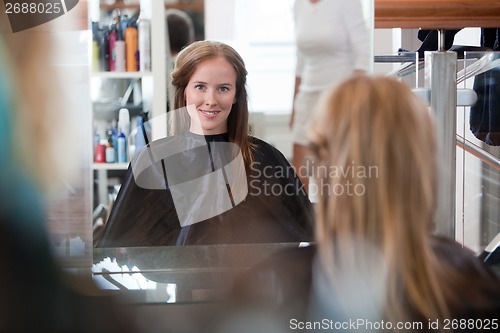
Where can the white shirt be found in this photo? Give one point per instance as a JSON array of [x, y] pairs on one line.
[[332, 40]]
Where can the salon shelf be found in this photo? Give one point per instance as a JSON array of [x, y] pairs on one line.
[[110, 166], [121, 75], [112, 90]]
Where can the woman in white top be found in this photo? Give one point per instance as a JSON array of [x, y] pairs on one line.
[[333, 42]]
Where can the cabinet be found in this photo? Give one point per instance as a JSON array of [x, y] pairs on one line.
[[137, 91]]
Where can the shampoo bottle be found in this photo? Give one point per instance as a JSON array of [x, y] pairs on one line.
[[131, 48]]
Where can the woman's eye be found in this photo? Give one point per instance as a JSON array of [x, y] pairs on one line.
[[223, 89], [199, 87]]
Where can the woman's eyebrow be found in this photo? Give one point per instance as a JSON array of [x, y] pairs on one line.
[[220, 84]]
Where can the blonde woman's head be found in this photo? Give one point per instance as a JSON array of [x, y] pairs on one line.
[[375, 165], [376, 160]]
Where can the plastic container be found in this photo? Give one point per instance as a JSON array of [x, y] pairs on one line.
[[100, 153], [124, 121], [131, 49]]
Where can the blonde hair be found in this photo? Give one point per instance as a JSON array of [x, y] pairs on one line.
[[379, 138], [37, 106]]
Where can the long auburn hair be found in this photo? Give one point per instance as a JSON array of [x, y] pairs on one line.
[[186, 64], [374, 135]]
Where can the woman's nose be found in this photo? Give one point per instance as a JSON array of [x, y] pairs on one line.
[[210, 98]]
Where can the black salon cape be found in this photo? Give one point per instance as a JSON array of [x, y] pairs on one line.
[[276, 208]]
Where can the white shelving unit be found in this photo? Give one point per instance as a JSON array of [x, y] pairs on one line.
[[121, 75], [109, 166], [153, 83]]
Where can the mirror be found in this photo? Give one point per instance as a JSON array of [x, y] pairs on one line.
[[140, 90], [268, 51]]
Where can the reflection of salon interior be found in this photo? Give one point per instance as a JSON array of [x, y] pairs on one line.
[[262, 32]]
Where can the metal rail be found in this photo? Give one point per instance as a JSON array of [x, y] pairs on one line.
[[477, 151]]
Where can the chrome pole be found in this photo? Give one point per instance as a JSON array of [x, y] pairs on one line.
[[441, 78]]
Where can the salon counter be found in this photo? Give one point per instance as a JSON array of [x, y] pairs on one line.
[[176, 274]]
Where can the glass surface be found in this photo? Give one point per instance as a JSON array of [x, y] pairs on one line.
[[478, 179], [404, 66], [177, 274], [204, 273]]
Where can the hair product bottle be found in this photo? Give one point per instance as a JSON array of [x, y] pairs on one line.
[[131, 45], [123, 21], [110, 148], [100, 153], [122, 148], [124, 121], [112, 38], [95, 46]]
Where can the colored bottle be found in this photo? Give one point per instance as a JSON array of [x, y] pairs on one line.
[[124, 21], [124, 121], [131, 49], [97, 139], [95, 47], [112, 38], [140, 140], [102, 42], [122, 148], [110, 149], [95, 55], [143, 132], [100, 153], [114, 136]]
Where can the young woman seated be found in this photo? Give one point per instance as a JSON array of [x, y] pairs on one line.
[[211, 182]]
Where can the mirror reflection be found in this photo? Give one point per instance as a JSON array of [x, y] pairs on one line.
[[214, 171], [273, 205], [128, 81]]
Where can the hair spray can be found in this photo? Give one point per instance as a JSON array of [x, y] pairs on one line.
[[131, 49], [124, 121], [144, 30], [122, 148]]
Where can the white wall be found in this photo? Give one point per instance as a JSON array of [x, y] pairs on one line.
[[262, 31]]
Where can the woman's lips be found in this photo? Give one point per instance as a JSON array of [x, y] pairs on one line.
[[209, 113]]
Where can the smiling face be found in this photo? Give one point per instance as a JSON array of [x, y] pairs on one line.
[[210, 94]]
